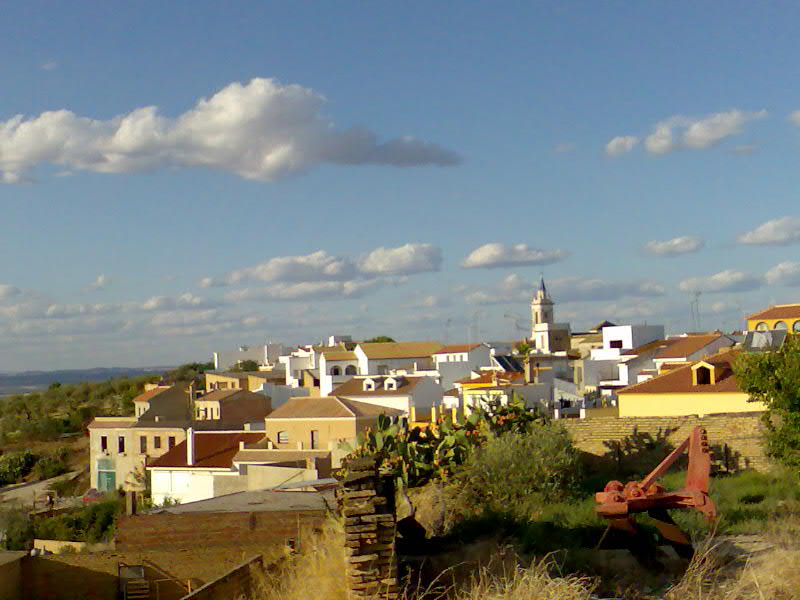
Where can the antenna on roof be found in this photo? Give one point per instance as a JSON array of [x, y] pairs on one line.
[[694, 307]]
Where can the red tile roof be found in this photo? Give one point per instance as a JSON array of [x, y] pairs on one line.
[[679, 380], [325, 407], [386, 350], [211, 450], [355, 386], [686, 346], [779, 311], [145, 396], [456, 348]]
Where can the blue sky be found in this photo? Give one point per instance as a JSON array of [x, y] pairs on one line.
[[307, 169]]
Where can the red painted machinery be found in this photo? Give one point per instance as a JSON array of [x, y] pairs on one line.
[[618, 503]]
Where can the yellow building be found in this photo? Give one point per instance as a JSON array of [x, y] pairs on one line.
[[320, 423], [779, 317], [705, 387]]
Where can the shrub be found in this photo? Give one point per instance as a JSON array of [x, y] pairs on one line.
[[16, 465], [522, 470], [51, 465]]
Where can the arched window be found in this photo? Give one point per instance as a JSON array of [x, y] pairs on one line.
[[781, 325], [762, 326], [796, 326], [351, 369], [703, 375], [336, 371], [283, 437]]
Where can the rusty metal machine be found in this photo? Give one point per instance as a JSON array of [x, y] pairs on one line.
[[618, 503]]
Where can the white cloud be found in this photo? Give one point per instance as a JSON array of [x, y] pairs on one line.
[[317, 266], [675, 246], [307, 290], [493, 255], [563, 148], [785, 273], [621, 145], [49, 65], [575, 289], [686, 133], [698, 134], [8, 291], [320, 266], [513, 288], [262, 130], [405, 260], [729, 280], [795, 117], [100, 283], [184, 301], [777, 232], [180, 318]]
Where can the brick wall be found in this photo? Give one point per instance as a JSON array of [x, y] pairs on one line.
[[162, 531], [735, 438]]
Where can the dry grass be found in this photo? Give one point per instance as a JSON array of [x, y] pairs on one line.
[[771, 573]]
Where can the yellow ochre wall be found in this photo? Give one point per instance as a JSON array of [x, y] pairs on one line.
[[680, 404], [753, 323]]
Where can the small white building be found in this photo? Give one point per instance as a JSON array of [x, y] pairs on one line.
[[187, 472], [400, 392]]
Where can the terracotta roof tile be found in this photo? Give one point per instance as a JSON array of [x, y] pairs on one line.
[[399, 349], [326, 407], [145, 396], [679, 380], [779, 311], [339, 355], [686, 346], [456, 348], [211, 450], [355, 387]]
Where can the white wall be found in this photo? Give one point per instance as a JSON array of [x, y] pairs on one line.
[[181, 485]]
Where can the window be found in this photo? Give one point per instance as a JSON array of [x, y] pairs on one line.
[[369, 385], [796, 327], [171, 441], [314, 439], [351, 370], [781, 325], [121, 444], [615, 343], [157, 442], [283, 437], [390, 384], [143, 444], [103, 443], [703, 375], [106, 475], [336, 371], [383, 370], [762, 326]]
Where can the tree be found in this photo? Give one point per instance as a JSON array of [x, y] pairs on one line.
[[379, 339], [774, 378], [246, 365]]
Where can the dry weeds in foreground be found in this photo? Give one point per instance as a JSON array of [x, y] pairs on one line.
[[316, 573]]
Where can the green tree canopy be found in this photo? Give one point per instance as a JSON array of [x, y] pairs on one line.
[[379, 339], [774, 378], [246, 365]]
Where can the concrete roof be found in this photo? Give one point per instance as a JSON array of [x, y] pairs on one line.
[[211, 450], [685, 346], [254, 501]]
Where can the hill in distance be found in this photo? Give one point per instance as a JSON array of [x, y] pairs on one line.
[[34, 381]]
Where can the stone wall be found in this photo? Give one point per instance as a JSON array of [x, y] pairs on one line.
[[366, 502], [735, 438]]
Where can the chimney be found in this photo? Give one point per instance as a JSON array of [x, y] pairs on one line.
[[190, 446]]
